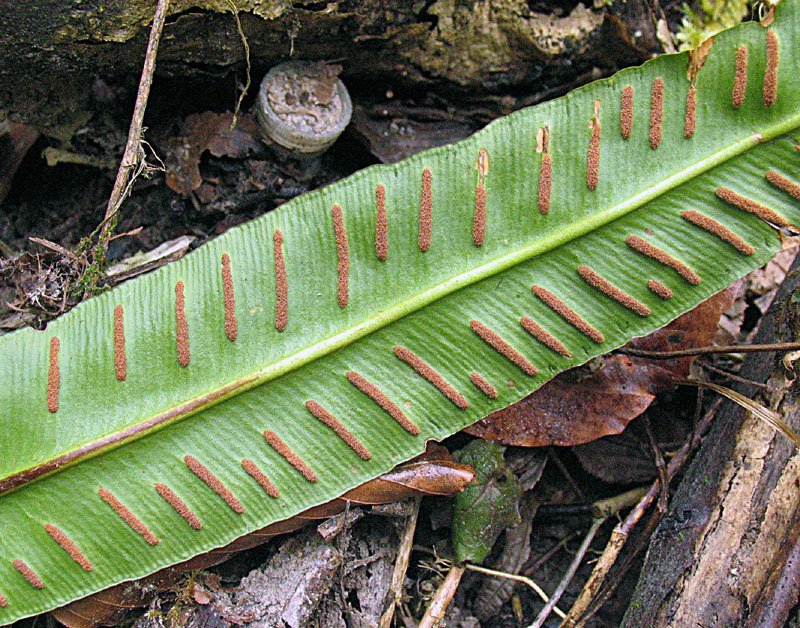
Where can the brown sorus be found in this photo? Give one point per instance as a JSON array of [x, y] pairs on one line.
[[425, 211], [496, 342], [740, 78], [784, 184], [29, 574], [656, 112], [341, 431], [593, 157], [127, 516], [180, 507], [281, 285], [263, 481], [60, 537], [722, 232], [375, 393], [545, 183], [381, 224], [644, 247], [659, 289], [3, 601], [343, 264], [771, 72], [214, 483], [691, 116], [120, 359], [432, 376], [53, 376], [620, 296], [479, 220], [181, 326], [484, 386], [547, 339], [569, 315], [748, 205], [230, 301], [292, 458], [626, 112]]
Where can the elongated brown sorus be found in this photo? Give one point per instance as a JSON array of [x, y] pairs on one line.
[[425, 211], [181, 326], [690, 120], [569, 315], [69, 546], [179, 506], [231, 326], [782, 183], [29, 574], [252, 469], [120, 359], [381, 224], [127, 516], [292, 458], [281, 284], [659, 289], [656, 112], [3, 601], [432, 376], [715, 228], [545, 183], [740, 77], [214, 483], [626, 112], [343, 255], [593, 156], [340, 430], [53, 376], [645, 248], [748, 205], [602, 284], [496, 342], [375, 393], [483, 385], [479, 220], [547, 339], [771, 72]]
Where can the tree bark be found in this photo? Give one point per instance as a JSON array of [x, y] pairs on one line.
[[728, 551]]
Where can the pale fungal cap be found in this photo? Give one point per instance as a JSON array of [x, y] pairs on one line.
[[303, 105]]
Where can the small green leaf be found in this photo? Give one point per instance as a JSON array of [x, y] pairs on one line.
[[487, 506]]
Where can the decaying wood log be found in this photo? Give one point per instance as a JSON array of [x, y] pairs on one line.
[[61, 65], [728, 551]]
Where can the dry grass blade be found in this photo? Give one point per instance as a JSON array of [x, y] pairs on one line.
[[770, 417]]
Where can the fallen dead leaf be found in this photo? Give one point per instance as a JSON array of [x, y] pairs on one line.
[[211, 132]]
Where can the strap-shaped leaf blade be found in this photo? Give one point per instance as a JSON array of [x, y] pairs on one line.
[[217, 407]]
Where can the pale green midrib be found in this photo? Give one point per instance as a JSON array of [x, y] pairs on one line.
[[487, 269]]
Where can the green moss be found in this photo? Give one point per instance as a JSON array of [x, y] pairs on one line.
[[712, 17]]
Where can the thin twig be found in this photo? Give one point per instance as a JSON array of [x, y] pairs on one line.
[[666, 355], [580, 611], [246, 45], [442, 598], [731, 376], [562, 586], [401, 564], [658, 455], [131, 156], [523, 579]]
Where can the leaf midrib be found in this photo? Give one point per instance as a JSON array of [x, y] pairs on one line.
[[399, 310]]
